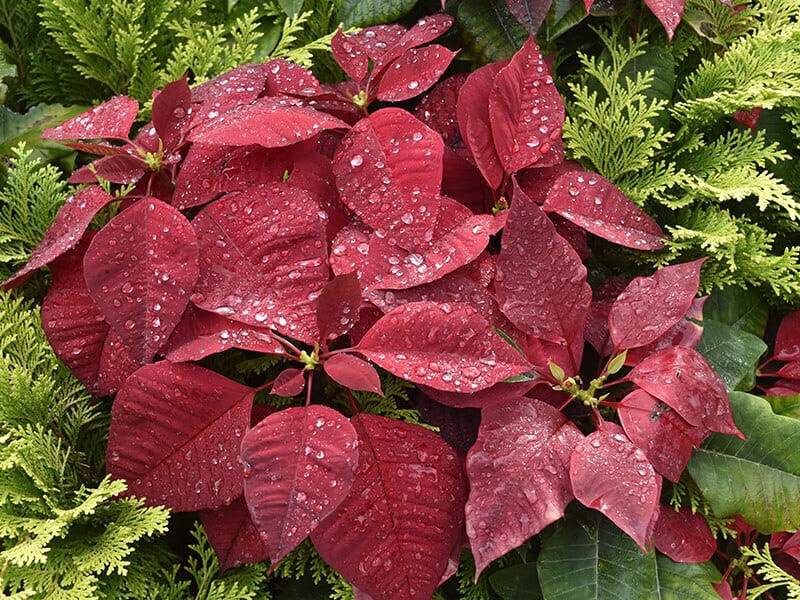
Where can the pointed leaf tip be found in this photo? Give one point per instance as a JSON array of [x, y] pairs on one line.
[[354, 373]]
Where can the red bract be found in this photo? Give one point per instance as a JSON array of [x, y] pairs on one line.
[[233, 535], [684, 536], [787, 341], [112, 119], [354, 373], [337, 306]]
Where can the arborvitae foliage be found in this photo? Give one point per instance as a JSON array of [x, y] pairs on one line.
[[775, 579], [713, 183]]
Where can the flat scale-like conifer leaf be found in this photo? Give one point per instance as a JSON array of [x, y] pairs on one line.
[[175, 435], [233, 535], [299, 465], [684, 536], [140, 269], [518, 471], [416, 70], [111, 120], [393, 534], [444, 346]]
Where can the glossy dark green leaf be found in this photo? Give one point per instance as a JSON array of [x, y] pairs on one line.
[[518, 582], [732, 353], [563, 16], [594, 559], [291, 7], [788, 406], [362, 13], [760, 478], [27, 127], [740, 308], [659, 60], [490, 30]]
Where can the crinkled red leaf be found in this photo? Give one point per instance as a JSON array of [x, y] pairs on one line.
[[337, 306], [662, 434], [352, 372], [474, 122], [518, 473], [284, 77], [445, 346], [65, 232], [140, 269], [112, 120], [787, 340], [124, 169], [350, 56], [392, 535], [413, 72], [681, 378], [233, 535], [685, 332], [595, 204], [684, 536], [541, 282], [669, 12], [263, 259], [530, 13], [525, 110], [537, 181], [650, 306], [289, 382], [268, 122], [610, 474], [175, 435], [300, 464], [172, 111]]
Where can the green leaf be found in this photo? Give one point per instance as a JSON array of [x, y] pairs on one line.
[[362, 13], [788, 406], [661, 62], [563, 16], [595, 559], [291, 7], [518, 582], [760, 478], [738, 307], [732, 352], [490, 30], [17, 127]]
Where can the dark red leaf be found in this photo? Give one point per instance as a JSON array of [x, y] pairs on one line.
[[233, 536], [65, 232], [681, 378], [354, 373], [594, 203], [575, 235], [684, 536], [413, 72], [426, 30], [684, 333], [723, 588], [650, 306], [268, 122], [748, 118], [596, 330], [498, 393], [172, 111], [669, 12], [788, 543], [613, 476], [458, 426], [376, 40], [234, 88], [518, 473], [665, 437], [116, 365], [284, 77], [175, 435], [112, 120], [103, 149], [290, 382], [462, 181], [300, 464], [525, 110], [438, 109], [263, 259], [530, 13], [349, 249], [122, 168], [350, 56], [445, 346], [140, 269], [337, 306], [787, 340], [392, 536], [790, 370]]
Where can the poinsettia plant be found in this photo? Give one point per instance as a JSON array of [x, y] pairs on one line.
[[267, 212]]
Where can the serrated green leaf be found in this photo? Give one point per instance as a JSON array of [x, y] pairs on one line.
[[518, 582], [788, 406], [738, 307], [760, 478], [490, 30], [595, 559], [732, 353], [362, 13]]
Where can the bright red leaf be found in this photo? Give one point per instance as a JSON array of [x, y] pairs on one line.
[[354, 373], [289, 382], [284, 77], [111, 120], [172, 112], [350, 56], [787, 340], [116, 365], [684, 536], [337, 306], [669, 12], [685, 332], [233, 536], [413, 72], [234, 88]]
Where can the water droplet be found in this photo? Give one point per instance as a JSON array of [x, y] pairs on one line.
[[129, 324], [357, 161], [412, 85]]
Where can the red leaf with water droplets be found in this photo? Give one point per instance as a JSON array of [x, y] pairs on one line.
[[263, 259], [65, 232], [111, 120], [530, 13], [234, 88], [748, 118], [172, 113], [684, 536], [685, 332], [438, 109], [649, 306], [392, 535], [300, 464], [474, 122], [140, 269], [337, 306], [102, 148], [662, 434], [175, 435], [518, 473], [349, 249], [790, 370], [350, 56], [610, 474], [445, 346], [680, 377], [669, 12], [413, 72], [352, 372], [376, 40], [233, 536], [787, 340], [525, 110], [267, 122], [423, 31], [116, 365], [289, 382], [595, 204], [122, 168], [284, 77], [541, 282]]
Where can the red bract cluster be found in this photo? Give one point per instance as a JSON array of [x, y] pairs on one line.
[[270, 213]]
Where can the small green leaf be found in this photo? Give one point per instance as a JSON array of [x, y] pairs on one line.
[[740, 308], [362, 13], [490, 30], [507, 338], [788, 406], [617, 363], [521, 377], [518, 582], [732, 353], [557, 372], [760, 478]]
